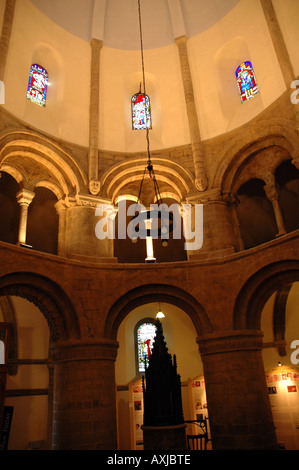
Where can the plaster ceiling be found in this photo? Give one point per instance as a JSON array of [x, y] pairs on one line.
[[116, 21]]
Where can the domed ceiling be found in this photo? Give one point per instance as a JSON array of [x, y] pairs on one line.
[[116, 21]]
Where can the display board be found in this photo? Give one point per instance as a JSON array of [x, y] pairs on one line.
[[283, 389], [136, 414], [197, 398], [198, 403]]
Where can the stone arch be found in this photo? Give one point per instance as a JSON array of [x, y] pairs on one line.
[[124, 178], [25, 154], [158, 293], [257, 290], [241, 151], [48, 297]]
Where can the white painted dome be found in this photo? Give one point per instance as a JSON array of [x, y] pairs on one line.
[[116, 21]]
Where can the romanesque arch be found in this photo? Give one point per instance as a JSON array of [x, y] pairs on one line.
[[242, 150], [257, 290], [158, 293], [25, 155], [48, 297]]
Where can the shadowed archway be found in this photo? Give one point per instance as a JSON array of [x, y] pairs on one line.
[[257, 290], [48, 297], [156, 293]]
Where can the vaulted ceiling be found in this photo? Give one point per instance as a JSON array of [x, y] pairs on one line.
[[116, 21]]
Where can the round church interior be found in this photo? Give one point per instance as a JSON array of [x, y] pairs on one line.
[[110, 109]]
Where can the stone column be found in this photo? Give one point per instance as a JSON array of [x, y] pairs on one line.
[[236, 223], [201, 181], [94, 185], [24, 198], [84, 396], [81, 240], [239, 408], [50, 405], [280, 49], [219, 238], [61, 209], [278, 42], [6, 34], [272, 193]]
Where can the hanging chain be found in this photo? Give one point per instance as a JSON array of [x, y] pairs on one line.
[[149, 162], [143, 79]]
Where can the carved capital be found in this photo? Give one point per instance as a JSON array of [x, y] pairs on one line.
[[272, 191], [25, 197]]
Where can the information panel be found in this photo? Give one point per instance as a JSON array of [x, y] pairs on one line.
[[283, 389]]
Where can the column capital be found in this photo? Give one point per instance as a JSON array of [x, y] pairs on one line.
[[272, 191], [230, 341], [211, 195], [25, 197], [74, 351]]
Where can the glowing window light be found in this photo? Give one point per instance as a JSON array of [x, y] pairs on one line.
[[246, 81], [146, 333], [141, 113], [37, 85]]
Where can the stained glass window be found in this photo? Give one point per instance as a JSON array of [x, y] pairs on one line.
[[246, 81], [141, 113], [146, 333], [37, 86]]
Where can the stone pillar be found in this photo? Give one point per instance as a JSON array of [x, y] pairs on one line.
[[84, 402], [201, 181], [6, 34], [81, 241], [61, 209], [239, 408], [280, 49], [219, 238], [24, 198], [236, 223], [272, 193], [94, 185], [50, 405], [278, 42]]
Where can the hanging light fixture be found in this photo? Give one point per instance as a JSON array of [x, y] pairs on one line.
[[148, 216], [160, 314]]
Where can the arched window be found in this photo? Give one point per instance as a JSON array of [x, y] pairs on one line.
[[246, 81], [141, 112], [145, 335], [37, 86]]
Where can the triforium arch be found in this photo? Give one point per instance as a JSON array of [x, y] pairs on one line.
[[124, 177], [49, 298], [158, 293], [24, 153], [257, 290], [241, 152]]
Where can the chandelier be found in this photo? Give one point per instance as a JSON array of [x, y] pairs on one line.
[[161, 230]]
